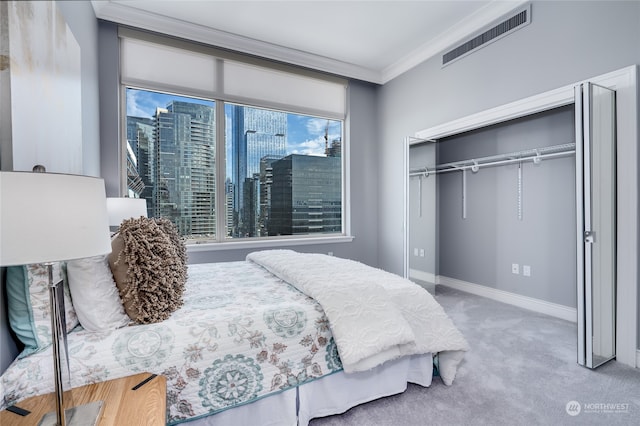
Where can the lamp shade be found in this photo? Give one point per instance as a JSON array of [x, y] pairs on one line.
[[120, 209], [50, 217]]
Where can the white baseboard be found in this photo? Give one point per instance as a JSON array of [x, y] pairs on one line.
[[425, 279], [422, 276], [536, 305]]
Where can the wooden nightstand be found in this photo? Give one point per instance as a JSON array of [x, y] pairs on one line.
[[122, 406]]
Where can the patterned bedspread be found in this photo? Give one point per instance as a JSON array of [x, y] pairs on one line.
[[242, 334]]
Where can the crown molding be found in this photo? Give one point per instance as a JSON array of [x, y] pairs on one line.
[[123, 14], [126, 15]]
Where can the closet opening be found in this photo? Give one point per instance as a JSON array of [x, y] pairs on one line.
[[504, 196], [493, 207]]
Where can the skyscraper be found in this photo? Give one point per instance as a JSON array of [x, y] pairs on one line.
[[257, 133], [306, 195], [140, 175], [184, 187], [266, 182]]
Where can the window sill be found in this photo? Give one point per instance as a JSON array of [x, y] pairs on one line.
[[267, 244]]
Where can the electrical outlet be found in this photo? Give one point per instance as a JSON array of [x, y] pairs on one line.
[[526, 270], [330, 253], [421, 252], [515, 268], [415, 251]]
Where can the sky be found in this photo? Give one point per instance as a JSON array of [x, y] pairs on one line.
[[305, 134]]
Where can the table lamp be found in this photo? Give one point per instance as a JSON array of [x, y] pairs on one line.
[[46, 218]]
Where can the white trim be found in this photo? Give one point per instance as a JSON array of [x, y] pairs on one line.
[[525, 302], [405, 207], [425, 280], [520, 108], [422, 276], [127, 15], [638, 358], [625, 85], [266, 243]]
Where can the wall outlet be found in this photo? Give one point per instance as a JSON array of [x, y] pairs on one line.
[[526, 270], [421, 252], [515, 268], [330, 253], [415, 251]]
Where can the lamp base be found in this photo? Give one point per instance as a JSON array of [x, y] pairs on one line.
[[82, 415]]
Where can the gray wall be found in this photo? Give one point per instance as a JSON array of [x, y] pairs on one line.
[[84, 26], [481, 248], [109, 106], [566, 42]]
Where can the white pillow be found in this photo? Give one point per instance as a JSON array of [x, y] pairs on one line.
[[95, 295]]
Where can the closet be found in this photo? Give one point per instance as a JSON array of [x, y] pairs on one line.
[[505, 195], [522, 203]]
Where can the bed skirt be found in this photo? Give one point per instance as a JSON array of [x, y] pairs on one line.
[[333, 394]]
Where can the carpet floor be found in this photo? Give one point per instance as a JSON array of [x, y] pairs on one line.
[[521, 370]]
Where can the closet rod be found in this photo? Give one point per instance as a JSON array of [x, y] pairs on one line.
[[420, 172], [534, 155], [496, 160], [509, 161]]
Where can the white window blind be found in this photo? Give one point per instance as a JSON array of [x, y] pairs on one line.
[[166, 67], [172, 67], [272, 87]]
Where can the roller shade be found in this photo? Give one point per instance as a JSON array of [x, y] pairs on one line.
[[166, 67], [275, 88], [212, 73]]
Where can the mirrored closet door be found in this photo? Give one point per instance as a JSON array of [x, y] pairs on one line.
[[596, 223]]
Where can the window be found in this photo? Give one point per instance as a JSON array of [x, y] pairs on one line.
[[171, 159], [221, 169], [283, 173]]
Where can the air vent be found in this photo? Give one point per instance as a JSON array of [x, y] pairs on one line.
[[517, 20]]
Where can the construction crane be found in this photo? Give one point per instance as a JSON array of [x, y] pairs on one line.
[[326, 139]]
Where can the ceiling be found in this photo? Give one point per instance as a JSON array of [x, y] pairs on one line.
[[373, 40]]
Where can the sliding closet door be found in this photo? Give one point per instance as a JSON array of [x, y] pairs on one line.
[[596, 207]]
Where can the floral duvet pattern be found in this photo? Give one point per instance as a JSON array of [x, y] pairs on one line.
[[242, 334]]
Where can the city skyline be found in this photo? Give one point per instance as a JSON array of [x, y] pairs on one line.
[[272, 189], [305, 134]]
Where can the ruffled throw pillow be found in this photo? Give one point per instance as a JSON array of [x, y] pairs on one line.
[[149, 264]]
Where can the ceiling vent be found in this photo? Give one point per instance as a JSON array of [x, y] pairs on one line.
[[517, 19]]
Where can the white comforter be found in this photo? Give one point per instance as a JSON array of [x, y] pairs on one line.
[[375, 316]]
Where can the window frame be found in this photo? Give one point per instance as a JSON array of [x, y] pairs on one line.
[[221, 242]]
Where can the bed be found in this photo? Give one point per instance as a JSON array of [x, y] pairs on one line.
[[279, 338]]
